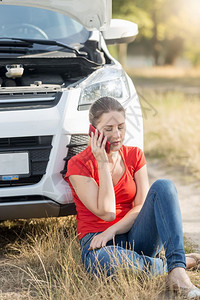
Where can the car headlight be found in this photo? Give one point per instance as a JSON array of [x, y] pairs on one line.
[[109, 81]]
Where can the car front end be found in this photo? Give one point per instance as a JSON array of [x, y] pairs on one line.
[[48, 82]]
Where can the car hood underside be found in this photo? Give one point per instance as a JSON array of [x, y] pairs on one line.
[[92, 14]]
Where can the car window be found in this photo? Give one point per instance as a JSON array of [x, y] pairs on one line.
[[37, 23]]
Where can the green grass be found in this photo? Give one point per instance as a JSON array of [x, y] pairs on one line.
[[190, 247]]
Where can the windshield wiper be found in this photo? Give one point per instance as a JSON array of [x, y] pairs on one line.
[[42, 42]]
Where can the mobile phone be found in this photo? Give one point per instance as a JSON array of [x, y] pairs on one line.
[[92, 129]]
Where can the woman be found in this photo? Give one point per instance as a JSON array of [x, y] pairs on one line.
[[115, 224]]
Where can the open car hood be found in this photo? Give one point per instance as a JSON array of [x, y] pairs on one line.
[[92, 14]]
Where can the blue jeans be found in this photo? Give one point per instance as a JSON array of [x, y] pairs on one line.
[[158, 224]]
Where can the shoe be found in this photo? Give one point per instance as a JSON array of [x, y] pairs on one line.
[[196, 257]]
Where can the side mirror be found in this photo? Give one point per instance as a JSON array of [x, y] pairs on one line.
[[120, 31]]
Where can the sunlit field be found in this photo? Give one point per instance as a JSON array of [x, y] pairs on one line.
[[173, 132], [171, 110]]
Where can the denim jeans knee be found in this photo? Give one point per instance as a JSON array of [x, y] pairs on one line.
[[164, 185]]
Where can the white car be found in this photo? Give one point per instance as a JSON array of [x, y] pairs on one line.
[[54, 63]]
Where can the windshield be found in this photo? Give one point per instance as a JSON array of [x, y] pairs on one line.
[[37, 23]]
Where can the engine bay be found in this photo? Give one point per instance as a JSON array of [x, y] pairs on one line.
[[63, 71]]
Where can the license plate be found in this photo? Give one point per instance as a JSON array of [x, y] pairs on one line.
[[14, 163]]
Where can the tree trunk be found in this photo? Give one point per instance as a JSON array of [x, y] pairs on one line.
[[156, 44], [122, 54]]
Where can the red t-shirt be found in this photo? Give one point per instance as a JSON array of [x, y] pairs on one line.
[[85, 164]]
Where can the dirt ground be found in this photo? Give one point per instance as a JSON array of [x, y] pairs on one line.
[[189, 198]]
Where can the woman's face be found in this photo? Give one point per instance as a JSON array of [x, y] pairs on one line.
[[113, 126]]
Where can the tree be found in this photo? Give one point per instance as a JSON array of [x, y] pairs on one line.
[[171, 26]]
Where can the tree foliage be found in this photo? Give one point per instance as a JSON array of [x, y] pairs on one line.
[[172, 26]]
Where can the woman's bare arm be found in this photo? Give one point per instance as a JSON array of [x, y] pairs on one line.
[[100, 200], [125, 224]]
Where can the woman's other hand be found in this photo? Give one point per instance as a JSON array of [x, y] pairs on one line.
[[100, 240]]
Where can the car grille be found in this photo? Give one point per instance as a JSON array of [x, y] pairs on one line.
[[28, 100], [77, 144], [38, 147]]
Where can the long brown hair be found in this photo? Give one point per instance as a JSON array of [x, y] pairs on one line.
[[101, 106]]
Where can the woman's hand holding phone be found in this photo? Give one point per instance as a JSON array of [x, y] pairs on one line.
[[98, 143], [93, 129]]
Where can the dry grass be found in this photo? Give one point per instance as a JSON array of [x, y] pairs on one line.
[[164, 79], [165, 72], [40, 259], [170, 100], [173, 132], [43, 262]]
